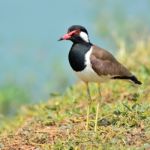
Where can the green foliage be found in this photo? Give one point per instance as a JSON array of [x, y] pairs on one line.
[[123, 123], [116, 20], [11, 98]]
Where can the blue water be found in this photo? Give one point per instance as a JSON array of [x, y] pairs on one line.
[[30, 54]]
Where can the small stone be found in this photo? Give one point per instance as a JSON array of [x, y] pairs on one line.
[[104, 122]]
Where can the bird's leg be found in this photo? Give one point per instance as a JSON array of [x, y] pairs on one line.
[[89, 106], [97, 108]]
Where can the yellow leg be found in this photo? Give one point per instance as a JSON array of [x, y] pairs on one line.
[[89, 106], [87, 117], [97, 108]]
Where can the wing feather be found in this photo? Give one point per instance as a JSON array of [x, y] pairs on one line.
[[104, 63]]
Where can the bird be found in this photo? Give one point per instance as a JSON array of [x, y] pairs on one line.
[[92, 63]]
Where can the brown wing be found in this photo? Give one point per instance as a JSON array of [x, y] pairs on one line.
[[104, 63]]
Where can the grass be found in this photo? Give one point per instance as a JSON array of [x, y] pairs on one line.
[[124, 121]]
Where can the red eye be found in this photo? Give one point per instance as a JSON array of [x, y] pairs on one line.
[[74, 32], [69, 35]]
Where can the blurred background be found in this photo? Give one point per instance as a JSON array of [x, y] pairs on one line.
[[33, 64]]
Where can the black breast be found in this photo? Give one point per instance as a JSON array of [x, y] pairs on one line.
[[77, 55]]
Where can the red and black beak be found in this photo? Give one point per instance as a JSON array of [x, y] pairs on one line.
[[68, 35], [65, 37]]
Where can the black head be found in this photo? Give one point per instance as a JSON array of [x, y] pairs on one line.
[[77, 27], [76, 34]]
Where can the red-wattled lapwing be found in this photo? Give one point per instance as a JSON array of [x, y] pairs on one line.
[[92, 63]]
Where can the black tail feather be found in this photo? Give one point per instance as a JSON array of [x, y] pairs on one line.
[[131, 78], [135, 80]]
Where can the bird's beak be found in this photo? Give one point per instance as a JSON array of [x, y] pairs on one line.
[[60, 39], [65, 37]]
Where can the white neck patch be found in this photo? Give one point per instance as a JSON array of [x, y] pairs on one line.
[[84, 36]]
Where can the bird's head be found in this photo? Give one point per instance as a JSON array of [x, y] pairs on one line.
[[76, 34]]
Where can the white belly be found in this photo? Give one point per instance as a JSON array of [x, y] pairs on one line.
[[88, 74]]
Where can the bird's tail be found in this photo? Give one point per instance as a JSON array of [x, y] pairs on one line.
[[130, 78], [135, 80]]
